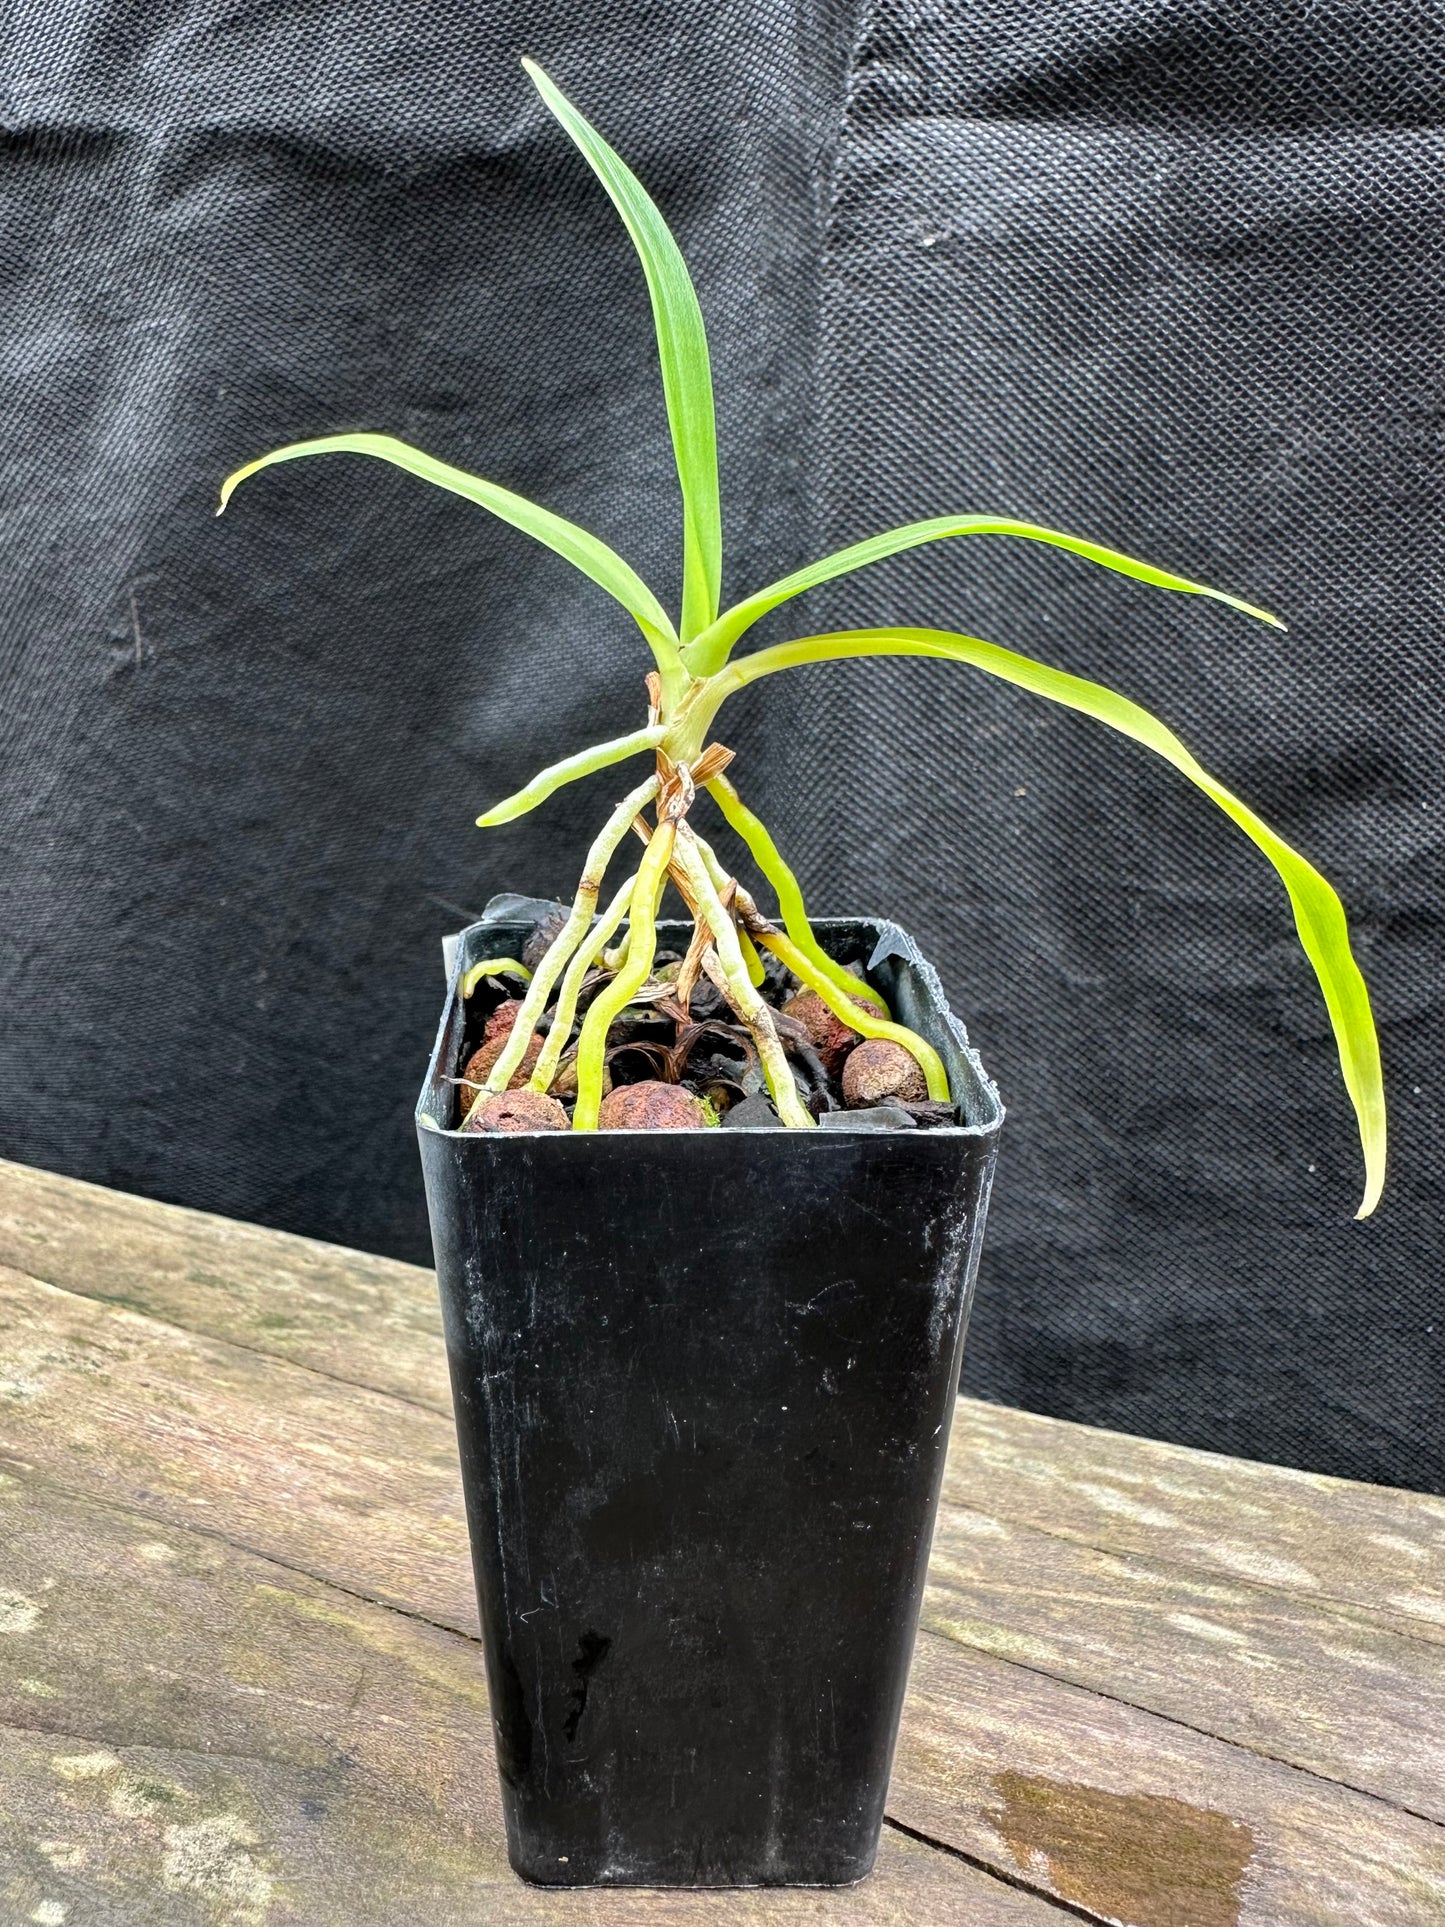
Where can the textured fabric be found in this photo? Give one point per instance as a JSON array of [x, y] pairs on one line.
[[1166, 275], [243, 758]]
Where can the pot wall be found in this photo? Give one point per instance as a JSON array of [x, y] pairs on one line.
[[703, 1385]]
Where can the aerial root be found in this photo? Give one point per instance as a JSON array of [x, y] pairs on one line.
[[728, 930], [578, 923], [736, 984], [565, 1010], [614, 998]]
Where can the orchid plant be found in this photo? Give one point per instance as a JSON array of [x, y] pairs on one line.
[[695, 672]]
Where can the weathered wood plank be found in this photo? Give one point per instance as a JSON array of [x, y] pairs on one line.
[[1330, 1539], [362, 1490], [164, 1668], [190, 1734], [353, 1485], [1067, 1553], [375, 1323], [365, 1319], [1144, 1821], [1327, 1691]]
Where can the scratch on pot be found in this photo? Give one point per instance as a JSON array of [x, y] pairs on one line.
[[812, 1304], [518, 1487], [955, 1250]]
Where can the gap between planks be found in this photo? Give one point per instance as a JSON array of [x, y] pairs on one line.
[[1014, 1880]]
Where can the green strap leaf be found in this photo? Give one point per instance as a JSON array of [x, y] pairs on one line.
[[682, 350], [1319, 916], [600, 756], [582, 550], [707, 653]]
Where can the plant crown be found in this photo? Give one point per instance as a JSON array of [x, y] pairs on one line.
[[694, 672]]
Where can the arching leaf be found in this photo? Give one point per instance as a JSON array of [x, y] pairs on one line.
[[709, 651], [1318, 913], [582, 550]]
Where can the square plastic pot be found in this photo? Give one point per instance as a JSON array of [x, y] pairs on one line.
[[703, 1386]]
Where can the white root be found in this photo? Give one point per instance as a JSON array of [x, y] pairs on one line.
[[572, 933]]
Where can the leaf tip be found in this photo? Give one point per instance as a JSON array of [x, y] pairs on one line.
[[234, 480], [1245, 608], [538, 77], [1374, 1189]]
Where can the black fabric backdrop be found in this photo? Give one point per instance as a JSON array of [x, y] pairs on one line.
[[1165, 274]]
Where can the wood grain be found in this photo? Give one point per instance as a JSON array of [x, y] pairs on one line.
[[1296, 1532], [1140, 1819], [274, 1751], [233, 1568], [356, 1487], [1282, 1675], [368, 1320], [375, 1323], [361, 1489]]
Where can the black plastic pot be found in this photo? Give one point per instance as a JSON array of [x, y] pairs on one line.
[[703, 1386]]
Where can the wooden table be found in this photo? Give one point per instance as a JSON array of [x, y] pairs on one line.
[[239, 1678]]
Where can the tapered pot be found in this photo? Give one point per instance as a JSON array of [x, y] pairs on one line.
[[703, 1385]]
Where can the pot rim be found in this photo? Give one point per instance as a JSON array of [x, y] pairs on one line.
[[894, 952]]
